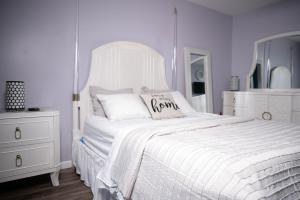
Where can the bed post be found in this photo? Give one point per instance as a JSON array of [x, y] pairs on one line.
[[76, 95], [76, 126], [76, 117]]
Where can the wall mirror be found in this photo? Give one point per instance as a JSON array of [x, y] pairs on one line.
[[276, 63], [198, 80]]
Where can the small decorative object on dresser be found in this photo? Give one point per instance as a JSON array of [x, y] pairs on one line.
[[15, 96], [29, 145], [265, 105], [234, 83]]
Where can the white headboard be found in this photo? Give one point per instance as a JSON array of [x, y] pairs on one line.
[[119, 65]]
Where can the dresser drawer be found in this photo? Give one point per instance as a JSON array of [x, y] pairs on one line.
[[228, 110], [296, 103], [296, 118], [25, 130], [25, 159], [241, 99], [228, 99], [280, 104]]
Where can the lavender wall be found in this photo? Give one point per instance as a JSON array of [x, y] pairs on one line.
[[37, 44], [278, 18], [151, 23], [203, 28]]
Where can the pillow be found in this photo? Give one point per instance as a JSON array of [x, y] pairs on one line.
[[182, 103], [146, 90], [162, 106], [177, 96], [123, 106], [97, 107]]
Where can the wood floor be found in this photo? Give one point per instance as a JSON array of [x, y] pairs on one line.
[[40, 188]]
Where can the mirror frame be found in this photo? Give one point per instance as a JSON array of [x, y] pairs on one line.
[[207, 74], [254, 60]]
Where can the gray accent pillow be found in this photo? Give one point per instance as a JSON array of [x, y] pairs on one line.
[[97, 107], [180, 100], [162, 106]]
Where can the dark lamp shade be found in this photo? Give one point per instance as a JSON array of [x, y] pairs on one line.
[[15, 96]]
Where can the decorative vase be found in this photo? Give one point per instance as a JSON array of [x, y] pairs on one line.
[[235, 83], [15, 96]]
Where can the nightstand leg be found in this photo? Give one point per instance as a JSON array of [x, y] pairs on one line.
[[54, 178]]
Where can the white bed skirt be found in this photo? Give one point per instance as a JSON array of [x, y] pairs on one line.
[[88, 164]]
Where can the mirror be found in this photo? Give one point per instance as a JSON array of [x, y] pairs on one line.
[[276, 63], [198, 81]]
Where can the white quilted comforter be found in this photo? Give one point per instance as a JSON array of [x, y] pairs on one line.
[[216, 158]]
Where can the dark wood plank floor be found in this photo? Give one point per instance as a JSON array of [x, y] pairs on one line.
[[39, 187]]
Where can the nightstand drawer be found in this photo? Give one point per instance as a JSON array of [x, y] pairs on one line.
[[25, 130], [20, 160]]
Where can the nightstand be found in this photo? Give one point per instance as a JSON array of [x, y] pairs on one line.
[[29, 145]]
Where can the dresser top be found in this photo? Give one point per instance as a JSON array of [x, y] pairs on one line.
[[274, 92], [41, 113]]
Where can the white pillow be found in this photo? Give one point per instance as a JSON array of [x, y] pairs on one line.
[[94, 90], [182, 103], [123, 106]]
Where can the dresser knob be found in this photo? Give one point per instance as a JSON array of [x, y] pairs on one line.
[[18, 161], [266, 116], [18, 133], [233, 100]]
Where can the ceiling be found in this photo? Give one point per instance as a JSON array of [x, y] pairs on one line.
[[234, 7]]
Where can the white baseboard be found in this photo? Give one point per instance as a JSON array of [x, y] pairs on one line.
[[66, 164]]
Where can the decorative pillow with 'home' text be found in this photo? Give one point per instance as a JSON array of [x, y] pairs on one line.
[[162, 106]]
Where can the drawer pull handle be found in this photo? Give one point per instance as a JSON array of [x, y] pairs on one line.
[[233, 112], [18, 133], [18, 161], [233, 100], [266, 116]]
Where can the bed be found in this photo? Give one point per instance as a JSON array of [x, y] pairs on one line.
[[199, 156]]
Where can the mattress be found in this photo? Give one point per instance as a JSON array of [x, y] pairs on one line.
[[99, 132], [97, 136]]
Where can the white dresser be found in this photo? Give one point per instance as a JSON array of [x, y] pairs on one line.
[[278, 106], [29, 145]]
